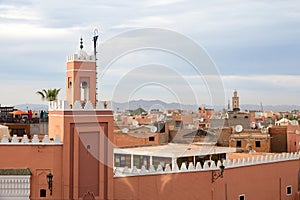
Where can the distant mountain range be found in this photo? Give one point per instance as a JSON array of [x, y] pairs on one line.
[[26, 107], [161, 105], [270, 107], [152, 104]]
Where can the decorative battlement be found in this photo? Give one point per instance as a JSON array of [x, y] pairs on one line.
[[208, 165], [64, 105], [26, 141], [81, 56]]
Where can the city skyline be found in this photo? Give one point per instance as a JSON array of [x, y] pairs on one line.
[[254, 45]]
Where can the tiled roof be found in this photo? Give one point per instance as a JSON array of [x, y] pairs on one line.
[[15, 172]]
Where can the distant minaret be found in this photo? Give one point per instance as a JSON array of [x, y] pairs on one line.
[[81, 77], [235, 102]]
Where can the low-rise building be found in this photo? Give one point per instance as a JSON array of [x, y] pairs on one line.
[[251, 140]]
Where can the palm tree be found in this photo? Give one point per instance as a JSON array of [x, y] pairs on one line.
[[49, 95]]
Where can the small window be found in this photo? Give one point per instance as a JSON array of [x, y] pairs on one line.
[[42, 193], [238, 143], [289, 190], [235, 117], [242, 197], [151, 139], [246, 117], [178, 123], [257, 143]]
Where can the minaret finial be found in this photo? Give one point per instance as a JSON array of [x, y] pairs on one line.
[[81, 44]]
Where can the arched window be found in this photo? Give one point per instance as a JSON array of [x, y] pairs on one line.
[[84, 91]]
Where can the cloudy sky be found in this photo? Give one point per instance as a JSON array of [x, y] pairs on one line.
[[255, 46]]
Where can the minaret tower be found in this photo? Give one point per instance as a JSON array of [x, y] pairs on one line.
[[235, 102], [81, 77]]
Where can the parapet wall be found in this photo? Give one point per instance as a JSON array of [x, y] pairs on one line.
[[80, 57], [208, 165], [26, 141], [65, 105]]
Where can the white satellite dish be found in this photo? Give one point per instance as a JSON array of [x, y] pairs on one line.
[[238, 128], [125, 130], [294, 122], [190, 126], [161, 117], [259, 125], [153, 129], [135, 123]]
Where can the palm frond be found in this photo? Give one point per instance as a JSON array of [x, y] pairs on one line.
[[49, 95]]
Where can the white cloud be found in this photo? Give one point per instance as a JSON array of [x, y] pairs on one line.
[[163, 2], [262, 81], [11, 12]]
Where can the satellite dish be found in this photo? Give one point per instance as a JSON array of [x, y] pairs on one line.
[[201, 119], [153, 129], [238, 128], [135, 123], [259, 125], [125, 130], [253, 125], [190, 126], [161, 117], [294, 122]]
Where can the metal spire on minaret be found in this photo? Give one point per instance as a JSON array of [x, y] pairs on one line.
[[81, 44]]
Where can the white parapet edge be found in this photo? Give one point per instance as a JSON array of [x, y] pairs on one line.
[[26, 141], [208, 165]]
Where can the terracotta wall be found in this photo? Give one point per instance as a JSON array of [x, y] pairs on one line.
[[260, 182], [278, 139], [40, 159], [248, 139], [87, 73], [71, 124], [127, 140], [223, 139], [293, 138]]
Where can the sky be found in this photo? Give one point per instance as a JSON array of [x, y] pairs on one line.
[[254, 45]]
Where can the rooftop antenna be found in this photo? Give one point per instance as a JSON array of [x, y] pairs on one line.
[[95, 38]]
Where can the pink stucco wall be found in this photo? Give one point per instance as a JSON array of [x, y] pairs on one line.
[[258, 182]]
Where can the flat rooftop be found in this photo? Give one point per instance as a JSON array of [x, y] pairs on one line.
[[173, 150]]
